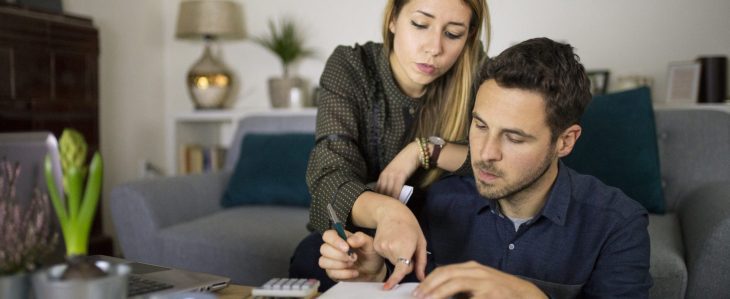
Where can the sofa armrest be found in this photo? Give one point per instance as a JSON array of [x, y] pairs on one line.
[[141, 208], [704, 215]]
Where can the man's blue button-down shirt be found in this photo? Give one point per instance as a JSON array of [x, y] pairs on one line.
[[589, 240]]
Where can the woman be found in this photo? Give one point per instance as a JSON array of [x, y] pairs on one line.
[[378, 105]]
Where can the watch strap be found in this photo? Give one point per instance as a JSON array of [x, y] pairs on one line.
[[435, 154]]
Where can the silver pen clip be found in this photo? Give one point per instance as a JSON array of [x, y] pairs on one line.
[[333, 215]]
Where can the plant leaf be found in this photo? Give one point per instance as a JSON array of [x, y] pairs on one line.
[[91, 196], [286, 42], [58, 205]]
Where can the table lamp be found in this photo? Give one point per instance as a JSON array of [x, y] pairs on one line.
[[209, 81]]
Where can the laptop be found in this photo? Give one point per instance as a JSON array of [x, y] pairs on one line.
[[152, 281], [29, 149]]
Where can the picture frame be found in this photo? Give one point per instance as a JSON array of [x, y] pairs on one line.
[[599, 81], [683, 80]]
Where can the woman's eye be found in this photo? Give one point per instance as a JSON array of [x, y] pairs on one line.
[[419, 26], [452, 35]]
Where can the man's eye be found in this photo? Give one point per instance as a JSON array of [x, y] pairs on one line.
[[419, 26], [515, 140]]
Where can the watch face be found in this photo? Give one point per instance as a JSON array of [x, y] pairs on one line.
[[436, 140]]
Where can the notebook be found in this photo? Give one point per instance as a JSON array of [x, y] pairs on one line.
[[363, 290], [152, 281]]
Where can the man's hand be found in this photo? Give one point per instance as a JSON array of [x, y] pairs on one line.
[[477, 280], [395, 174], [364, 265]]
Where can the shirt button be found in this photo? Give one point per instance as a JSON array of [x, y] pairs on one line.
[[511, 246], [411, 110]]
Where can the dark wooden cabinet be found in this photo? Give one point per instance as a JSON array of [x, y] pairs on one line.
[[49, 79]]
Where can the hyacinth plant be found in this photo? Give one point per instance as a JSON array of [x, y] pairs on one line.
[[25, 229], [77, 212]]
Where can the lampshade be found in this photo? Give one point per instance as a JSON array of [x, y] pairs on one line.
[[209, 18]]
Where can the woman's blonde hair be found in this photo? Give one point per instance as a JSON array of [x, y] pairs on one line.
[[445, 111]]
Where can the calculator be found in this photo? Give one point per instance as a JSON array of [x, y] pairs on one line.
[[287, 287]]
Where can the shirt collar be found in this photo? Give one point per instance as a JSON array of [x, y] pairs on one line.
[[556, 207]]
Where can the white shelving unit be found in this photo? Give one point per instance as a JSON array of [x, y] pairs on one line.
[[212, 127]]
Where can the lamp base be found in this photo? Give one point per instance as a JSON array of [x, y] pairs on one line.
[[209, 82]]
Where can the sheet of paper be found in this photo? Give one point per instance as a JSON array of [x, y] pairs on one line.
[[368, 290]]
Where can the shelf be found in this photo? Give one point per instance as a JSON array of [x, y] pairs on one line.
[[224, 116], [211, 128], [701, 106]]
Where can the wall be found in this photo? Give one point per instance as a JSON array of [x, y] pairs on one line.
[[627, 37], [143, 66], [132, 102]]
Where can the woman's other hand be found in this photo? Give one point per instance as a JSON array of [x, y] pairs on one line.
[[394, 176]]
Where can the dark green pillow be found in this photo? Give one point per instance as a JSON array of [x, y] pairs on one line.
[[271, 170], [619, 146]]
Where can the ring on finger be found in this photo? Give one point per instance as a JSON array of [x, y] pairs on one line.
[[404, 260]]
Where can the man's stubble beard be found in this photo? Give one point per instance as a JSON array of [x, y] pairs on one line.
[[509, 191]]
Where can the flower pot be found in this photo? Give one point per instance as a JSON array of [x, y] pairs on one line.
[[288, 92], [16, 286], [47, 283]]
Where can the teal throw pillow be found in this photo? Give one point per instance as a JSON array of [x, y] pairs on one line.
[[619, 146], [271, 170]]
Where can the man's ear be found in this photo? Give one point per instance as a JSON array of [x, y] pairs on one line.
[[566, 141]]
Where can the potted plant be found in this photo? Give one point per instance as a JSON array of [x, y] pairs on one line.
[[287, 43], [79, 277], [25, 233]]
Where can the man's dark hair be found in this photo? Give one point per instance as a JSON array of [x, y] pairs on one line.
[[549, 68]]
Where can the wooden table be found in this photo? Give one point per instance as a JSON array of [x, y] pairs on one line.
[[235, 291]]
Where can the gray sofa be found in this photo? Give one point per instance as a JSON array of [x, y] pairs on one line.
[[177, 221], [690, 244]]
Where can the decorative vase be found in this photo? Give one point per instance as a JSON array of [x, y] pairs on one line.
[[47, 283], [209, 81], [16, 286], [288, 92]]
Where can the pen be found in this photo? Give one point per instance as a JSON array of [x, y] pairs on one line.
[[338, 226]]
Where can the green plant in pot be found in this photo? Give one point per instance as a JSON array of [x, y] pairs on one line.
[[287, 43], [76, 213], [80, 277], [26, 236]]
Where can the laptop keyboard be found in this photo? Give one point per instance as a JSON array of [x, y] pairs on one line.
[[138, 286]]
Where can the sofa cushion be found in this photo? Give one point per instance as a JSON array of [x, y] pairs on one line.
[[271, 170], [619, 146], [667, 257], [255, 247]]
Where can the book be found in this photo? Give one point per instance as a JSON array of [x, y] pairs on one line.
[[196, 158]]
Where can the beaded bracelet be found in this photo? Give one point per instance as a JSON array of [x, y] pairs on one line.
[[423, 151]]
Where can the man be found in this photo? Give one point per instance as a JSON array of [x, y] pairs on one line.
[[526, 225]]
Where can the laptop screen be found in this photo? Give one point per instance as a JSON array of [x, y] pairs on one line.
[[30, 150]]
